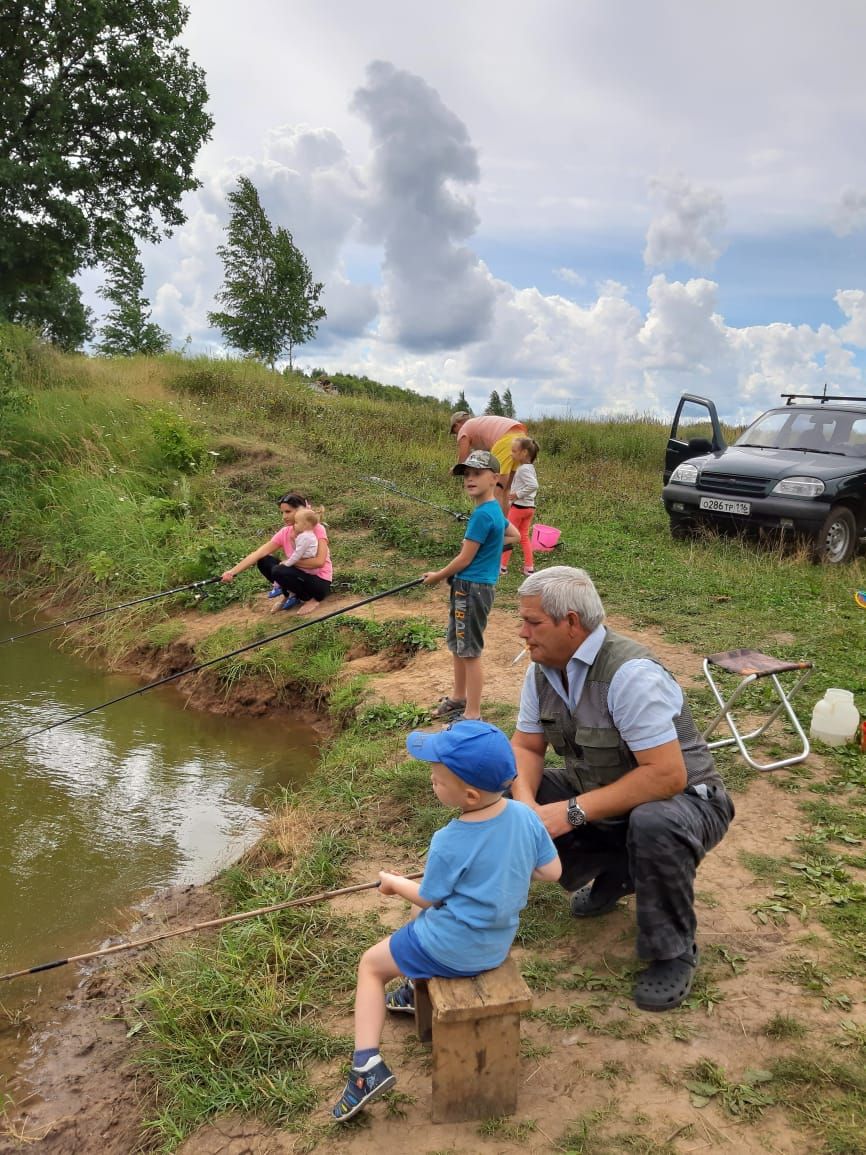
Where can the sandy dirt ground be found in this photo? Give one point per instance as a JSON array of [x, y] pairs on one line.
[[85, 1094]]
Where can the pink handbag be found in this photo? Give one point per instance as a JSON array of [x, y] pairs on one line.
[[544, 537]]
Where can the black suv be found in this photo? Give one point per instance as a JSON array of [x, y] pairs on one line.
[[799, 469]]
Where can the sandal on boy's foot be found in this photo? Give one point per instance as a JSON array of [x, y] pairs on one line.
[[362, 1088], [402, 1000], [448, 707], [290, 603], [276, 592], [600, 896], [666, 982]]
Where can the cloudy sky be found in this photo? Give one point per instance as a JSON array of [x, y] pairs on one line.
[[597, 203]]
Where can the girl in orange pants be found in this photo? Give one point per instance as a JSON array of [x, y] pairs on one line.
[[524, 487]]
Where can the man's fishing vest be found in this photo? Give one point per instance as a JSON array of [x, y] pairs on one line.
[[587, 739]]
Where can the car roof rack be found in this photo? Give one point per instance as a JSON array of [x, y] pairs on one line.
[[790, 398]]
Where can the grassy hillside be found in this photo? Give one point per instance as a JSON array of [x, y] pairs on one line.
[[122, 477]]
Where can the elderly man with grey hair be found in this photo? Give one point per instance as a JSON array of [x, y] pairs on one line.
[[638, 802]]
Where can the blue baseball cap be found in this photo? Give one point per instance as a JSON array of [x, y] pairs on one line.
[[478, 753]]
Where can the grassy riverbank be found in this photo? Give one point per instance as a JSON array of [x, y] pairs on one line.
[[121, 478]]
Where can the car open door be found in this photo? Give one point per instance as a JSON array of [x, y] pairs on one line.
[[695, 430]]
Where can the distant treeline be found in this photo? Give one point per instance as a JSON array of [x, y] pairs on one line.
[[351, 386]]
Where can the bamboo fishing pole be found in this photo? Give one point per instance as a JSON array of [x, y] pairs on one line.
[[210, 662], [111, 609], [322, 896]]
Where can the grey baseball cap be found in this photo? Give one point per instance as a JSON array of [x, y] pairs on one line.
[[460, 415], [478, 459]]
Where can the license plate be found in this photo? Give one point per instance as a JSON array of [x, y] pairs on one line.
[[723, 505]]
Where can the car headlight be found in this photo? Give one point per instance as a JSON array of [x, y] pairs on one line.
[[685, 474], [799, 487]]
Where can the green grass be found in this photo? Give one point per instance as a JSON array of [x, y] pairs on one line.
[[782, 1027], [746, 1097], [600, 1132]]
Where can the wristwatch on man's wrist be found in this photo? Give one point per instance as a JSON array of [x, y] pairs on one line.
[[575, 813]]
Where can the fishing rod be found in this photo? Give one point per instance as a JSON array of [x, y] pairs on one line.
[[111, 609], [322, 896], [211, 662], [412, 497]]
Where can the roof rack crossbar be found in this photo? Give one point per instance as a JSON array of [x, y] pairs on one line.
[[822, 397]]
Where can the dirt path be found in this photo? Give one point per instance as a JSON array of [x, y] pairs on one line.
[[620, 1079]]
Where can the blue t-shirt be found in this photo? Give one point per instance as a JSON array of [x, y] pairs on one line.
[[487, 527], [480, 874]]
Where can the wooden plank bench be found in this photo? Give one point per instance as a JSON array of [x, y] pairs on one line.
[[474, 1027]]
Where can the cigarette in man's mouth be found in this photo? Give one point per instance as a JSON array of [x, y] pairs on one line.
[[522, 654]]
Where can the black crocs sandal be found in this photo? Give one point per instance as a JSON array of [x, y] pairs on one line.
[[600, 896], [666, 982]]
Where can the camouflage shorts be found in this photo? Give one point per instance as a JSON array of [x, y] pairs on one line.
[[469, 609]]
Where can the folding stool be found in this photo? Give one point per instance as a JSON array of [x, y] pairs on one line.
[[749, 665]]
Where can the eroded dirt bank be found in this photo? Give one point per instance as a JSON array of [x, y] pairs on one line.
[[627, 1069]]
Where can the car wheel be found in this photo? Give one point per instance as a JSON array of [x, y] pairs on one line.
[[683, 528], [837, 538]]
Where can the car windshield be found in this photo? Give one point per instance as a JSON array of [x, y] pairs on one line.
[[803, 430]]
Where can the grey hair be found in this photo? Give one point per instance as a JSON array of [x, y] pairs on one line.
[[562, 590]]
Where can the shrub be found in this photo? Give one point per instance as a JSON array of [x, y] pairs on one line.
[[179, 447]]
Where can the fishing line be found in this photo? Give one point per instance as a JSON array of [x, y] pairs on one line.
[[322, 896], [111, 609], [411, 497], [211, 662]]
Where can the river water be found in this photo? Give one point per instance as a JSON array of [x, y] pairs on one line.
[[98, 814]]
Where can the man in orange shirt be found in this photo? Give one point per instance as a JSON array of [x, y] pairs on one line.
[[494, 434]]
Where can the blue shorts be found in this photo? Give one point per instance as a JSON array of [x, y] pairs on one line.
[[414, 962]]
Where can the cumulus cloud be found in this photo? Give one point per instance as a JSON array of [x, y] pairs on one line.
[[570, 276], [351, 308], [435, 293], [612, 357], [686, 228], [682, 331], [850, 214], [852, 302]]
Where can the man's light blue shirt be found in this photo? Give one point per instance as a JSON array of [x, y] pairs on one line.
[[643, 698]]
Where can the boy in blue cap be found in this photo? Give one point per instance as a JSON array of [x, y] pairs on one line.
[[475, 884], [473, 575]]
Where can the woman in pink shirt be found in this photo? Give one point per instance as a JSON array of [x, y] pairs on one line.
[[495, 434], [308, 581]]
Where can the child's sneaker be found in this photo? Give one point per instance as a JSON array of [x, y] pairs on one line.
[[446, 708], [276, 592], [402, 1000], [503, 569], [362, 1088], [527, 570]]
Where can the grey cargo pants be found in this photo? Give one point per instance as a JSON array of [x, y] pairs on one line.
[[656, 850]]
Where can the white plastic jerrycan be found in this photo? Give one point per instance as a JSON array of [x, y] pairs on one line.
[[835, 718]]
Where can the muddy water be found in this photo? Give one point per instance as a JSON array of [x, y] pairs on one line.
[[98, 814]]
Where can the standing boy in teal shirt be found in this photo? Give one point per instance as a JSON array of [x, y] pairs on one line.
[[473, 573]]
